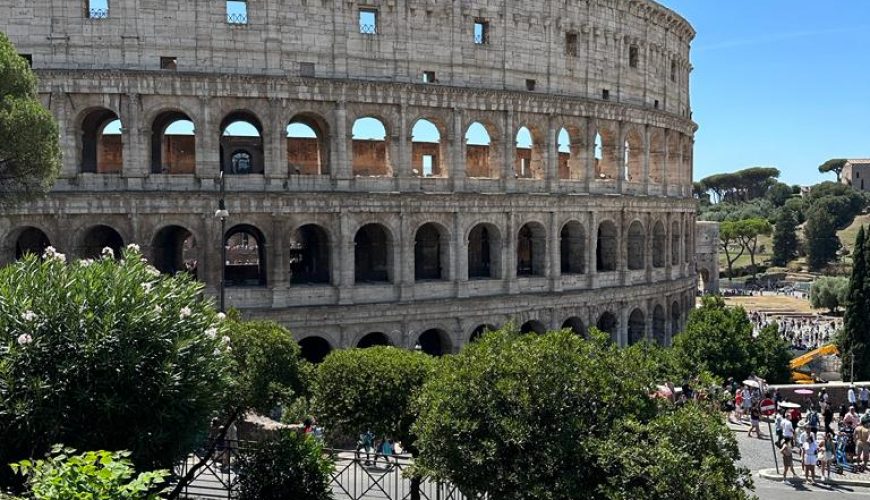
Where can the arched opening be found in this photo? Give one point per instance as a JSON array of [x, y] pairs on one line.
[[309, 255], [373, 339], [314, 349], [372, 254], [607, 249], [533, 326], [102, 144], [307, 146], [426, 151], [607, 324], [480, 331], [607, 154], [658, 326], [30, 240], [96, 238], [658, 250], [572, 248], [532, 250], [675, 319], [429, 253], [636, 246], [174, 250], [633, 156], [657, 158], [246, 257], [636, 327], [370, 148], [434, 342], [241, 144], [528, 163], [703, 280], [675, 243], [173, 144], [574, 324], [484, 259], [479, 152]]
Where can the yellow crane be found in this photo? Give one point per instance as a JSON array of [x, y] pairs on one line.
[[805, 359]]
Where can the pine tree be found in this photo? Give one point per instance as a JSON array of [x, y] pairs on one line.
[[854, 339], [785, 243]]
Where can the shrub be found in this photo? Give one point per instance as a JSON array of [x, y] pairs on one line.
[[289, 465], [93, 475], [106, 354]]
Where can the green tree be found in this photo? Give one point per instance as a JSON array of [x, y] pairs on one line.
[[546, 417], [820, 234], [29, 144], [729, 242], [748, 232], [836, 166], [106, 354], [856, 330], [831, 292], [785, 241], [778, 194], [287, 465], [771, 356]]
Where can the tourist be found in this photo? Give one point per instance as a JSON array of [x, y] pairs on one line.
[[826, 457], [813, 421], [777, 397], [754, 420], [777, 426], [828, 416], [865, 399], [851, 420], [787, 431], [795, 417], [853, 400], [862, 446], [747, 399], [823, 399], [810, 457], [801, 441], [366, 442], [787, 459]]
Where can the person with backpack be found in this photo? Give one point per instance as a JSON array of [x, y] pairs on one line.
[[366, 442], [813, 421]]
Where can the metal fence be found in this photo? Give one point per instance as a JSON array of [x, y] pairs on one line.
[[353, 478], [237, 18], [98, 13]]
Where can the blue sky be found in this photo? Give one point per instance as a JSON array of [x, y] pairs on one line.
[[779, 83]]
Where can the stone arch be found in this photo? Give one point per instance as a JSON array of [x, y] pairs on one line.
[[310, 254], [572, 248], [435, 342], [574, 324], [27, 240], [314, 349], [703, 280], [481, 151], [608, 324], [659, 244], [173, 143], [307, 144], [636, 242], [484, 251], [246, 257], [533, 326], [373, 339], [241, 143], [658, 325], [607, 156], [607, 249], [373, 254], [676, 243], [102, 149], [676, 316], [532, 250], [431, 252], [480, 330], [427, 148], [657, 159], [371, 148], [571, 153], [636, 327], [95, 238], [529, 154], [174, 249], [634, 155]]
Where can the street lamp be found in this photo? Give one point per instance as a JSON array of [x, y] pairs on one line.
[[222, 213]]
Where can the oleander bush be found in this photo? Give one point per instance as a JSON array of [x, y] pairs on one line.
[[288, 465]]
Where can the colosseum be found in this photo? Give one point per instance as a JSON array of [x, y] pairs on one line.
[[405, 172]]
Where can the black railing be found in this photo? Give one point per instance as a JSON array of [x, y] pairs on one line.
[[368, 29], [237, 18], [480, 39], [98, 13]]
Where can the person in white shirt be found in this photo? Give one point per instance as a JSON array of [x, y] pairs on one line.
[[787, 431], [851, 396], [810, 456], [865, 398]]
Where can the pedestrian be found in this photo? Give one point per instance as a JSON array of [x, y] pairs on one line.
[[813, 421], [787, 460], [795, 417], [810, 453], [826, 456], [828, 416], [853, 400], [754, 420], [777, 426], [366, 442], [788, 431], [865, 398], [862, 446], [747, 399]]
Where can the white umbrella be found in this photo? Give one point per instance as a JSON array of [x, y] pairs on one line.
[[787, 404], [751, 383]]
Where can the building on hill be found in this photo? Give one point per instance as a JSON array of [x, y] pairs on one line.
[[856, 173]]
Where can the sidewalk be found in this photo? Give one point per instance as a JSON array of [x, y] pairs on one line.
[[845, 479]]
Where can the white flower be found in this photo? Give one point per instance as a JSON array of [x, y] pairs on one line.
[[158, 309], [51, 253], [132, 247], [152, 271], [221, 316], [28, 315], [217, 352], [86, 262], [229, 349], [24, 339], [225, 339], [108, 253], [185, 312], [211, 333], [147, 286]]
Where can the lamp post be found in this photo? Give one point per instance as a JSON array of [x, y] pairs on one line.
[[222, 214]]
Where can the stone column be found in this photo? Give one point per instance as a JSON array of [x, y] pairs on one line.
[[666, 152], [460, 256], [508, 152], [347, 255], [622, 325], [554, 243], [207, 142], [591, 130], [620, 157], [403, 250], [646, 158], [509, 246], [275, 154], [669, 248], [592, 249], [132, 138], [343, 171], [648, 246], [402, 139], [456, 140], [278, 277], [70, 135], [552, 148], [622, 251]]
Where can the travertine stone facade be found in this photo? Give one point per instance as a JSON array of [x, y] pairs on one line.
[[707, 255], [339, 236]]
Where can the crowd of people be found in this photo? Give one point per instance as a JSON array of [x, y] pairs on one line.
[[805, 332]]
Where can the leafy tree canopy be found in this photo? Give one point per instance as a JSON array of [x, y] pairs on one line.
[[835, 165], [830, 292]]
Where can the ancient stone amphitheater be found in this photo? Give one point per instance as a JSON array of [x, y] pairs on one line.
[[408, 172]]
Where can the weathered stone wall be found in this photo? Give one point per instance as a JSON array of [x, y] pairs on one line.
[[707, 255]]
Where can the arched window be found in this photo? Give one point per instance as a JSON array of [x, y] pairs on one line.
[[434, 342], [241, 144], [314, 349], [529, 162], [307, 146], [633, 156], [174, 250], [30, 240], [659, 333], [246, 257], [480, 331], [572, 248], [373, 339], [659, 240], [370, 148], [675, 243], [636, 326], [532, 250], [574, 324], [607, 250], [483, 252], [480, 153], [429, 254], [426, 151], [102, 144], [372, 254], [675, 319], [533, 326], [607, 324], [173, 144], [571, 155], [607, 146], [636, 246], [309, 255], [96, 238]]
